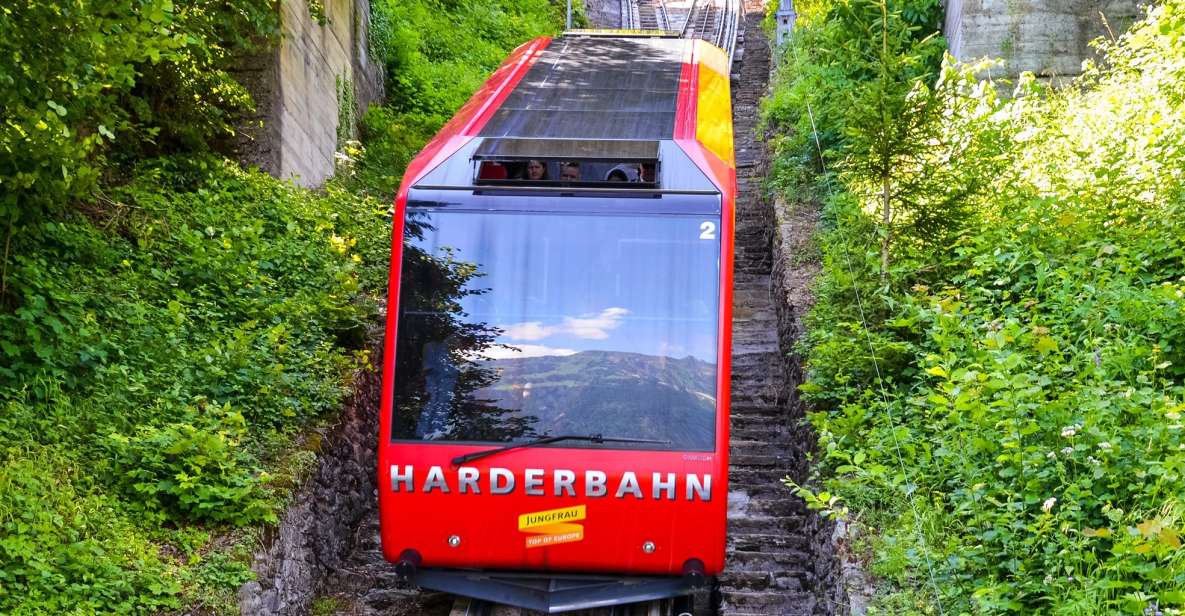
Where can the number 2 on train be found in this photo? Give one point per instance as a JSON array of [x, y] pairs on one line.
[[707, 230]]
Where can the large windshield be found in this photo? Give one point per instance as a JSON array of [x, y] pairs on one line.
[[518, 325]]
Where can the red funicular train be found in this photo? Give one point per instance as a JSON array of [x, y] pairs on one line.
[[554, 420]]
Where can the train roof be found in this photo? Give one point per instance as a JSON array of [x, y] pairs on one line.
[[588, 96], [596, 88]]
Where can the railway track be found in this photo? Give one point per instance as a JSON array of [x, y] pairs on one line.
[[715, 21], [644, 15], [702, 21], [768, 569]]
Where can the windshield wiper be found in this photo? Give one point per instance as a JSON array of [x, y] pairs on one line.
[[594, 438]]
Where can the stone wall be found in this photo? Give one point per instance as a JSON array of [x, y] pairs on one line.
[[1051, 38], [316, 533], [298, 86]]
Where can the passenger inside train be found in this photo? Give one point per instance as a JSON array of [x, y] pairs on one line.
[[569, 172]]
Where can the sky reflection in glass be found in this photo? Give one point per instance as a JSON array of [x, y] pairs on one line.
[[559, 284]]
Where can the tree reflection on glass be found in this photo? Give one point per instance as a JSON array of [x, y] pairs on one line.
[[439, 353]]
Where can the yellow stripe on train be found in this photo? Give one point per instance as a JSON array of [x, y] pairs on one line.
[[714, 109]]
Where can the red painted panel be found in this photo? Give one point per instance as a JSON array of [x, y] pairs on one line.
[[612, 529], [685, 103]]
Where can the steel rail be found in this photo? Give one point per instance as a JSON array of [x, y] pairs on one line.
[[660, 13], [689, 30], [729, 27], [716, 21], [629, 15]]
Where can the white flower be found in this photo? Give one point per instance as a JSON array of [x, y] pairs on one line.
[[1051, 455], [1067, 450], [1048, 504], [1174, 416], [1069, 431], [1105, 446], [1092, 460]]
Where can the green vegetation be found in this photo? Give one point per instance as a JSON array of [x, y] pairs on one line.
[[170, 322], [91, 86], [161, 346], [996, 360]]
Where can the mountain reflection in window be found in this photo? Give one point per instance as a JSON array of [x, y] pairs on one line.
[[519, 325]]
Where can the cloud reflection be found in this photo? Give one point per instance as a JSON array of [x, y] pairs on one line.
[[511, 351], [588, 327]]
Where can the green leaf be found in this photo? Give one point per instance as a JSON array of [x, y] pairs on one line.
[[1045, 345]]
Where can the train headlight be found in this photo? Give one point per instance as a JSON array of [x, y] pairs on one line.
[[454, 541], [648, 547]]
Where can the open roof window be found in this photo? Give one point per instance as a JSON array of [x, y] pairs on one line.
[[567, 162]]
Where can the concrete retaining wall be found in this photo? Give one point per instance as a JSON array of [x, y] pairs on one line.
[[1048, 37], [298, 87]]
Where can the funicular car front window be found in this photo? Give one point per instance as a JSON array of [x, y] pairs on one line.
[[518, 325]]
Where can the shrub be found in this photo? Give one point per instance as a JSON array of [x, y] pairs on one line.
[[1025, 454], [183, 471], [430, 77], [173, 335], [80, 77], [66, 550]]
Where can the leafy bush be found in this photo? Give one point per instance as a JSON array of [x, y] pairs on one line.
[[235, 291], [438, 54], [392, 139], [137, 322], [79, 77], [1025, 455], [65, 550], [837, 54], [183, 471]]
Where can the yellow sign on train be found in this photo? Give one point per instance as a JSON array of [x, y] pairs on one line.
[[553, 526]]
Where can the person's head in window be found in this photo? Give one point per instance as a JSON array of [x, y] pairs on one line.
[[536, 170], [623, 173], [570, 172]]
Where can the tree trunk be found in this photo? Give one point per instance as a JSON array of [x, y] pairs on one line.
[[886, 229], [4, 264]]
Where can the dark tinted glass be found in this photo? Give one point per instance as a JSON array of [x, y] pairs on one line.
[[518, 325]]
